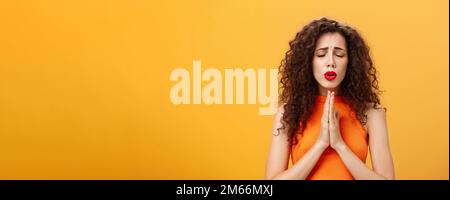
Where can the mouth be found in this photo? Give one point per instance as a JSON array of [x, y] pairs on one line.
[[330, 75]]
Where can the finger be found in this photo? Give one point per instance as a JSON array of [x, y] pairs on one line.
[[331, 111], [326, 106], [332, 103], [337, 119]]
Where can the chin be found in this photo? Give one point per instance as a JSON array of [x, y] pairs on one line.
[[329, 85]]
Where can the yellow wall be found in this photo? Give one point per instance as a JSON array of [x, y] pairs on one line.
[[84, 85]]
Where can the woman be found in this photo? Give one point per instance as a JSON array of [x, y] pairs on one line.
[[330, 112]]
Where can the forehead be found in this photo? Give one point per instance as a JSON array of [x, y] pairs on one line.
[[331, 39]]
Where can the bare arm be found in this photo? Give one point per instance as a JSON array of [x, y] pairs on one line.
[[379, 148]]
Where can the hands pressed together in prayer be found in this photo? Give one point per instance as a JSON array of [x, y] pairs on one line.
[[330, 134]]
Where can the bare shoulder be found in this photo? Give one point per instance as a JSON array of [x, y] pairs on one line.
[[280, 111], [277, 122], [375, 111], [376, 118]]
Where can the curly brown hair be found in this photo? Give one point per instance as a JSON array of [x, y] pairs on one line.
[[299, 89]]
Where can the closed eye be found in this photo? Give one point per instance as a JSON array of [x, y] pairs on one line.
[[340, 53]]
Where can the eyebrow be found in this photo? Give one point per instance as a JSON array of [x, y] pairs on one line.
[[325, 48]]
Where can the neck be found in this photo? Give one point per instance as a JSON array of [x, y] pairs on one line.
[[323, 91]]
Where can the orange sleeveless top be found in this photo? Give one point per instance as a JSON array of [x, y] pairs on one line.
[[330, 166]]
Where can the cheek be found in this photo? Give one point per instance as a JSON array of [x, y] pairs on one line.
[[342, 71], [343, 66], [316, 66]]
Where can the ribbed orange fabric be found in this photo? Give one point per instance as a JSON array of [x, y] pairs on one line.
[[330, 166]]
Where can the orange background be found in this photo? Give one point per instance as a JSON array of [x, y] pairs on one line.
[[85, 85]]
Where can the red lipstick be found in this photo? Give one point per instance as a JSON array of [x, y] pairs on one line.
[[330, 75]]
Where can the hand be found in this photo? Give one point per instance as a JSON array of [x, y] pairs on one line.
[[336, 140], [324, 138]]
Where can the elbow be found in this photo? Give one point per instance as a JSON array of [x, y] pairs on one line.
[[275, 176], [387, 177], [269, 177]]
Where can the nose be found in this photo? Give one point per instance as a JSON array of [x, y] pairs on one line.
[[332, 65], [330, 62]]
